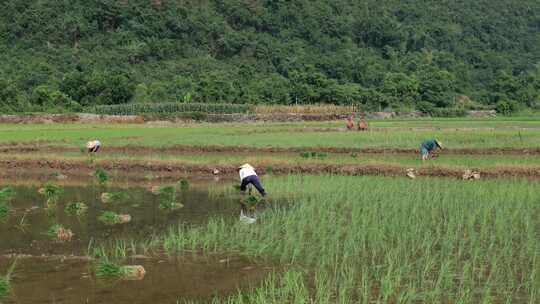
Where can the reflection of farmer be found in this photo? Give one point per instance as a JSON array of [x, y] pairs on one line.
[[93, 146], [350, 123], [428, 147], [248, 176]]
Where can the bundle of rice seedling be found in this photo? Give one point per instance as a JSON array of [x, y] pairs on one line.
[[59, 233]]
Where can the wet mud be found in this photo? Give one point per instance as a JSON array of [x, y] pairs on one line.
[[140, 170], [137, 149], [167, 280]]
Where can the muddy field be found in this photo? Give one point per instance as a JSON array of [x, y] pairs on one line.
[[60, 270], [146, 170], [136, 149], [67, 280]]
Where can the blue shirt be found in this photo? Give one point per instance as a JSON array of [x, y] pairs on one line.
[[429, 144]]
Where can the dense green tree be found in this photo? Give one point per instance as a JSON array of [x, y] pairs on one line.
[[378, 53]]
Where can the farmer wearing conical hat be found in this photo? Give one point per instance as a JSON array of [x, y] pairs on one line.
[[249, 176], [428, 147], [93, 146]]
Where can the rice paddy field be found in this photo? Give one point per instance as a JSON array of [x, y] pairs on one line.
[[154, 217]]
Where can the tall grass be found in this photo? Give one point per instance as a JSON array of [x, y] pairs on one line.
[[385, 240]]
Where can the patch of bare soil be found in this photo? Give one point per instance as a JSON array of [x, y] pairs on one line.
[[137, 149], [139, 170]]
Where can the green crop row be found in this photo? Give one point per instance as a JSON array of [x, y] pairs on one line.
[[141, 108]]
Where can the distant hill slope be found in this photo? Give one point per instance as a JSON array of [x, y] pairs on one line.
[[385, 53]]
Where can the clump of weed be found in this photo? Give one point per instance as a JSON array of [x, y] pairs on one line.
[[353, 155], [101, 175], [113, 197], [313, 154], [76, 208], [52, 193], [269, 170], [111, 218]]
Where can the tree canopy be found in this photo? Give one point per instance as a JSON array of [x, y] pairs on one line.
[[64, 55]]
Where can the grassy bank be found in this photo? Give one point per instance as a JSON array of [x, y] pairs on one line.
[[388, 240]]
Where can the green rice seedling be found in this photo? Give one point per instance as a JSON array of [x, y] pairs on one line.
[[313, 154], [184, 184], [381, 240], [163, 190], [111, 218], [305, 154], [6, 194], [113, 197], [170, 205], [5, 209], [59, 233], [107, 270], [76, 208], [101, 175], [52, 193], [4, 287], [269, 170], [5, 282]]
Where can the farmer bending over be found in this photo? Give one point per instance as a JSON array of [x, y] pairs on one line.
[[248, 176], [362, 124], [428, 147], [350, 123], [93, 146]]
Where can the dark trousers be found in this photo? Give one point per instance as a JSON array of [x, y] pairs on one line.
[[254, 180]]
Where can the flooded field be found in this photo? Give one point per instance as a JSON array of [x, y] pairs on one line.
[[25, 230], [56, 267], [52, 280]]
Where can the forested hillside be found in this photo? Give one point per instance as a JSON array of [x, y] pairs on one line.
[[431, 54]]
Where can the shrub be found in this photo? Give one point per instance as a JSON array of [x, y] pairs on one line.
[[506, 107]]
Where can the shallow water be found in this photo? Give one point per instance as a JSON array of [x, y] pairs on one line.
[[25, 229], [52, 280], [49, 271]]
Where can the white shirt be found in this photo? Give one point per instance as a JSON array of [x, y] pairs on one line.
[[93, 143], [245, 172]]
